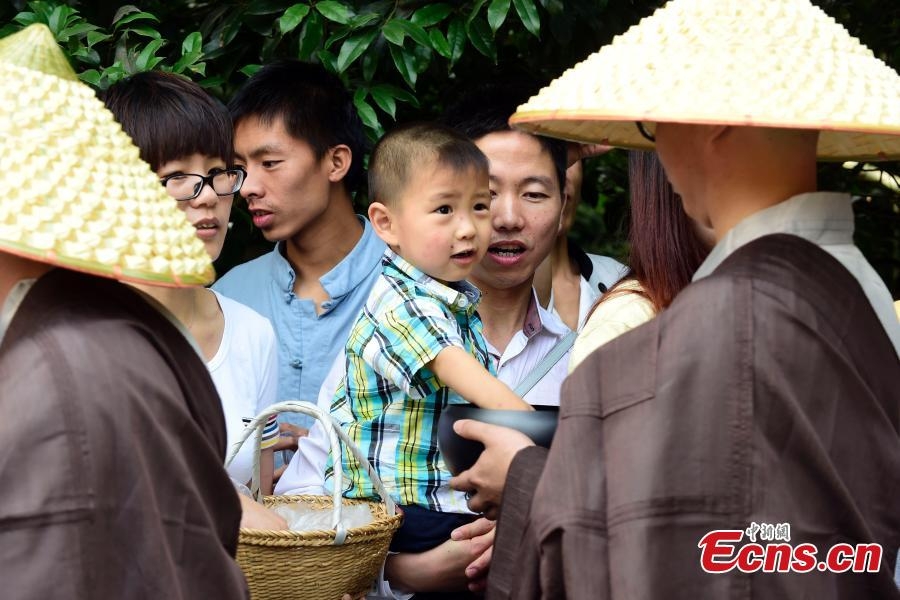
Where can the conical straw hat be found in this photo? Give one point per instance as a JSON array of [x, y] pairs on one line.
[[75, 192], [775, 63]]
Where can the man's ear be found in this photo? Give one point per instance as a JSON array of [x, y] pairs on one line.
[[382, 222], [562, 212], [339, 159]]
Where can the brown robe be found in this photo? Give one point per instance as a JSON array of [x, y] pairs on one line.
[[767, 392], [113, 440]]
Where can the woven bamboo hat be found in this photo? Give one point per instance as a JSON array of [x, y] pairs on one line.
[[73, 189], [774, 63]]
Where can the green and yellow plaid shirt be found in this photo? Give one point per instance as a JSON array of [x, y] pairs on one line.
[[389, 402]]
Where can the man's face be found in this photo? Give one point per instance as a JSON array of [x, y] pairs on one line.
[[679, 149], [286, 187], [525, 209]]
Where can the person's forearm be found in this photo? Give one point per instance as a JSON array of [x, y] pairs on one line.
[[266, 471], [429, 571], [462, 373]]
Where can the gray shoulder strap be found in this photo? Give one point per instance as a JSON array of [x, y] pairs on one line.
[[556, 353]]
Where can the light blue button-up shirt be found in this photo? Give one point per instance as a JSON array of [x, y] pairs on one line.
[[307, 343]]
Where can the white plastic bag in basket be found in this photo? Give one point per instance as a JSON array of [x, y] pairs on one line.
[[302, 517]]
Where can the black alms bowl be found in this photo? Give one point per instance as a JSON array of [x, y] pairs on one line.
[[460, 454]]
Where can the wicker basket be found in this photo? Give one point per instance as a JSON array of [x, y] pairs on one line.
[[315, 565]]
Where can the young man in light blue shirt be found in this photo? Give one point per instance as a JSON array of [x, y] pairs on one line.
[[301, 142]]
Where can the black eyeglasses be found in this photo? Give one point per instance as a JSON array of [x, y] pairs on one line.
[[647, 129], [187, 186]]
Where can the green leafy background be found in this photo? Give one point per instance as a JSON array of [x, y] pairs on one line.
[[404, 59]]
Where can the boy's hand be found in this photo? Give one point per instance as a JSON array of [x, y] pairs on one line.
[[480, 533], [485, 480], [288, 434]]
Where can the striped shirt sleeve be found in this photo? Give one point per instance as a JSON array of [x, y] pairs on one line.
[[406, 339]]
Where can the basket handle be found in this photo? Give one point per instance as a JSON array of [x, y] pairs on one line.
[[334, 433]]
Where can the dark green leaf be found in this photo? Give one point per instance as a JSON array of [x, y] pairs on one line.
[[138, 16], [399, 94], [268, 48], [335, 11], [479, 4], [192, 44], [416, 33], [423, 57], [58, 17], [292, 17], [555, 7], [482, 39], [353, 48], [199, 68], [405, 63], [370, 64], [231, 28], [145, 58], [311, 37], [440, 43], [94, 37], [8, 29], [366, 113], [394, 32], [145, 31], [360, 21], [431, 14], [87, 55], [91, 77], [25, 18], [264, 7], [497, 13], [250, 70], [336, 36], [328, 60], [456, 37], [385, 100], [214, 81], [124, 10], [76, 30], [529, 15]]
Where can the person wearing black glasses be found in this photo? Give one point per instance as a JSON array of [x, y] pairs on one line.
[[186, 136]]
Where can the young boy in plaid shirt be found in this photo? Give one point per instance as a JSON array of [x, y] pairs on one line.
[[418, 344]]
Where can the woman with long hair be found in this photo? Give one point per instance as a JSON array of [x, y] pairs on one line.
[[666, 248]]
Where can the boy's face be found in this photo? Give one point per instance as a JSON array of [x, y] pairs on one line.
[[526, 205], [208, 212], [287, 187], [441, 222]]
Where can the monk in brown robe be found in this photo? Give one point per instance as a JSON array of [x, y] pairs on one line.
[[765, 395], [112, 432]]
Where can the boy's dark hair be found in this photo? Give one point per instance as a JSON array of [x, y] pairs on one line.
[[313, 105], [487, 109], [404, 149], [169, 117]]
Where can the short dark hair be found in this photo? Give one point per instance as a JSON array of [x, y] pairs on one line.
[[487, 109], [400, 151], [313, 105], [169, 117]]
